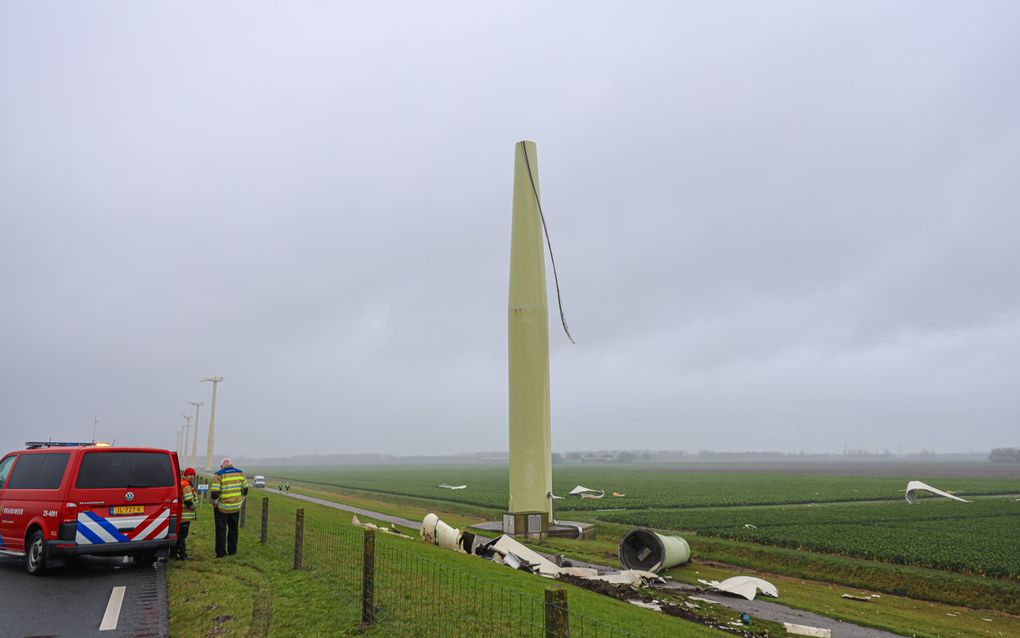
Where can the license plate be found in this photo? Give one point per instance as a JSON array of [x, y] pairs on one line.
[[127, 509]]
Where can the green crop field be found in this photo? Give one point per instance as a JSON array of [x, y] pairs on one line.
[[978, 538], [811, 529], [645, 486], [812, 511]]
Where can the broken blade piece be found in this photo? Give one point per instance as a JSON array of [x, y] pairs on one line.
[[913, 487]]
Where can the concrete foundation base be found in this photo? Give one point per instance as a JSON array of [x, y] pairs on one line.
[[559, 529]]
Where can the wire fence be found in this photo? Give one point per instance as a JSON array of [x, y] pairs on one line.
[[392, 584]]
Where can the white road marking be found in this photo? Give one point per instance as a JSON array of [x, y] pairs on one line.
[[112, 614]]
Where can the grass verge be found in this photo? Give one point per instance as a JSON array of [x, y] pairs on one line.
[[909, 603], [420, 589]]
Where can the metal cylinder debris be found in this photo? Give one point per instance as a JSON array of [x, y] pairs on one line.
[[645, 550], [428, 528], [439, 533]]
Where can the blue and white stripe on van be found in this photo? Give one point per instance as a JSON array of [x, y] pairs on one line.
[[93, 529]]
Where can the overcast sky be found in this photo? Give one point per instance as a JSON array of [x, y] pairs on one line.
[[777, 225]]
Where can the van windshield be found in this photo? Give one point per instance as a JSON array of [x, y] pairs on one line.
[[125, 469]]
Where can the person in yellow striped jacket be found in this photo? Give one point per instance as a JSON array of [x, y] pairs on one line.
[[189, 512], [227, 491]]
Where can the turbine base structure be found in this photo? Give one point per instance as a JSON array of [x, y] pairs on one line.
[[513, 525], [526, 524]]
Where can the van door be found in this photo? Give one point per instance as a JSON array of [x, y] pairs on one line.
[[5, 520], [124, 496], [33, 496], [178, 504]]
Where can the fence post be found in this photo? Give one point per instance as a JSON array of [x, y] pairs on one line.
[[299, 536], [265, 520], [368, 580], [557, 617], [244, 509]]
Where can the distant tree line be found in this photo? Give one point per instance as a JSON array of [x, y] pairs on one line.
[[606, 456], [1005, 455]]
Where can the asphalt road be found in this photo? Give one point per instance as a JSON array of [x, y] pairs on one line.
[[396, 520], [79, 599], [775, 612]]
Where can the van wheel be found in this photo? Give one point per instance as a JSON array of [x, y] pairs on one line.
[[35, 554], [145, 559]]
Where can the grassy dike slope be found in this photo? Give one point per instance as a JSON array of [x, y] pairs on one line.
[[257, 592], [812, 581]]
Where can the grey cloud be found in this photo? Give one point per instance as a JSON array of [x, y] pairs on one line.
[[780, 215]]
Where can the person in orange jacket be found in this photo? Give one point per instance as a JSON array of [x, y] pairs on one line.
[[189, 512]]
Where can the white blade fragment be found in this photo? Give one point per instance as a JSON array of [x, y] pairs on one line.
[[746, 586], [804, 630], [913, 487], [507, 545], [646, 605], [587, 492]]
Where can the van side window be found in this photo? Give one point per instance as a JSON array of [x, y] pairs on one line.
[[5, 469], [38, 472]]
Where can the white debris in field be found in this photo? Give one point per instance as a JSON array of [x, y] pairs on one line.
[[506, 550], [391, 529], [452, 487], [913, 487], [585, 492], [633, 577], [646, 605], [436, 532], [804, 630], [505, 545], [746, 586]]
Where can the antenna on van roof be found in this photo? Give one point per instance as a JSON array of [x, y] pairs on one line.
[[95, 424]]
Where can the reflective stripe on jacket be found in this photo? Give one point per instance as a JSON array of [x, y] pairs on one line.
[[189, 511], [228, 489]]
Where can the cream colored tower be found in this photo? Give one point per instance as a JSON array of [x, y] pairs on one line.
[[212, 424], [528, 355], [194, 439]]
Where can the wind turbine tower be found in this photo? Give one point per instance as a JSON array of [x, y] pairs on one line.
[[530, 509], [194, 438], [212, 423]]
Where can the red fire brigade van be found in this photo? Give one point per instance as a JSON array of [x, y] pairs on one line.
[[63, 499]]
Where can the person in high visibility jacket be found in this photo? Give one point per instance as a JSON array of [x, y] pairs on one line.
[[227, 491], [189, 512]]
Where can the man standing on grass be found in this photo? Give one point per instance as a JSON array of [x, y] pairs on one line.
[[228, 489], [189, 512]]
